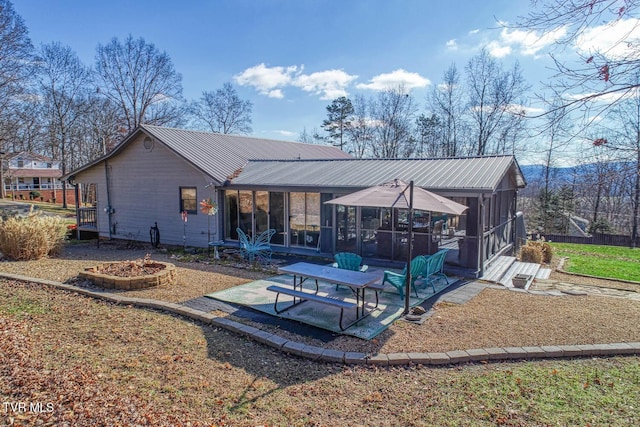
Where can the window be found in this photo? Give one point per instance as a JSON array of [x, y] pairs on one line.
[[188, 200], [20, 163]]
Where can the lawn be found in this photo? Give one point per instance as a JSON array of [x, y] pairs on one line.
[[95, 363], [614, 262]]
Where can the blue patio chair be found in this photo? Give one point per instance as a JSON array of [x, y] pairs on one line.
[[258, 248], [245, 245], [262, 245], [349, 261], [398, 280], [434, 269]]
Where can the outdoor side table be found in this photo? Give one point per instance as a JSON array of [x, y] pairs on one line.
[[215, 244]]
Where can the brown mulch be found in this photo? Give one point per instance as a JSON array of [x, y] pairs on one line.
[[495, 318], [136, 268]]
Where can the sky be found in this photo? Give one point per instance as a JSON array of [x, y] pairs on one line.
[[291, 58]]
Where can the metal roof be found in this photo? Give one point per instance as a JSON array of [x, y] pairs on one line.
[[221, 155], [477, 174]]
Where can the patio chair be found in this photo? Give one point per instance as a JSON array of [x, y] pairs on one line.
[[398, 280], [434, 269], [349, 261], [258, 248], [262, 245]]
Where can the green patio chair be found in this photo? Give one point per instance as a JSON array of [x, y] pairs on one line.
[[349, 261], [434, 269], [398, 280]]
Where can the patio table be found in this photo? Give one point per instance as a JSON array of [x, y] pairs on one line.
[[356, 280]]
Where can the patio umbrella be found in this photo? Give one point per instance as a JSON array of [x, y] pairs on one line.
[[395, 194], [399, 194]]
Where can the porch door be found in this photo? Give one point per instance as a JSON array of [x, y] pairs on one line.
[[370, 222], [276, 217], [262, 211], [346, 240]]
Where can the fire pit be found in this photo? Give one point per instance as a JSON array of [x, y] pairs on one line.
[[131, 275]]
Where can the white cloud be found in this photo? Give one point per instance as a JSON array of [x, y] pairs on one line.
[[395, 79], [615, 40], [607, 98], [498, 50], [267, 80], [270, 81], [286, 133], [452, 44], [472, 32], [530, 42], [330, 84]]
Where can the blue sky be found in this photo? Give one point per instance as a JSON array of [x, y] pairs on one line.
[[291, 58]]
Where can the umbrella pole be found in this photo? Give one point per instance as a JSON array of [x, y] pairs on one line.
[[407, 292]]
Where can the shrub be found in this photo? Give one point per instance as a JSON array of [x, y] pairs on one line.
[[531, 253], [32, 237], [537, 251]]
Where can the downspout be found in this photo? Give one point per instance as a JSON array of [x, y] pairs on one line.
[[76, 193], [514, 223], [108, 209], [481, 236]]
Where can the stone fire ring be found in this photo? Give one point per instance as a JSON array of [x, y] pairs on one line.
[[166, 276]]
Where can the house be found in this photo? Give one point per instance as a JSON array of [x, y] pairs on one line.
[[157, 173], [29, 176]]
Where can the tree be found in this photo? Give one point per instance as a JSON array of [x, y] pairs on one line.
[[360, 133], [593, 72], [557, 132], [493, 102], [310, 138], [15, 61], [101, 130], [430, 132], [63, 82], [223, 111], [338, 121], [625, 146], [393, 116], [445, 101], [141, 81]]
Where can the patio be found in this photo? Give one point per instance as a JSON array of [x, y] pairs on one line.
[[256, 296]]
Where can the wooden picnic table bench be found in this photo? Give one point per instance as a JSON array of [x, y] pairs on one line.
[[306, 296]]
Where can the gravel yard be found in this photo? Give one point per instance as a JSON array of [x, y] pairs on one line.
[[495, 318]]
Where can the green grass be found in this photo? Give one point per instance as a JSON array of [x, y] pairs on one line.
[[51, 208], [18, 305], [614, 262]]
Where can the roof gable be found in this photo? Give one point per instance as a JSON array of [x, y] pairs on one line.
[[221, 155]]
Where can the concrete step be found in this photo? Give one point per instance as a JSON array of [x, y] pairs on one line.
[[526, 268], [497, 270]]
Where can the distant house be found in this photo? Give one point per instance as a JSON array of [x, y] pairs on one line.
[[157, 173], [32, 176]]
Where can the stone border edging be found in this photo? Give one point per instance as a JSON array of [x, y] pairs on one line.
[[354, 358]]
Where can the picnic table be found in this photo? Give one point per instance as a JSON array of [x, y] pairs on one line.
[[358, 281]]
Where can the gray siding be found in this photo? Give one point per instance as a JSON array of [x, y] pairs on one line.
[[145, 189]]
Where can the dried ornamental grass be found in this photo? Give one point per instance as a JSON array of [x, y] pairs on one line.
[[531, 253], [32, 237]]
